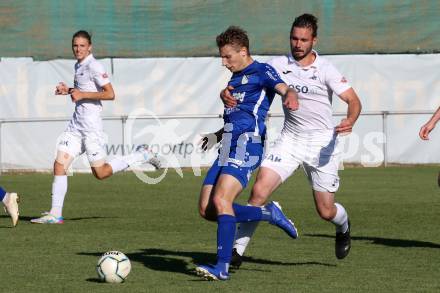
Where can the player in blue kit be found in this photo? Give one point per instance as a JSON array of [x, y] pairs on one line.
[[254, 86]]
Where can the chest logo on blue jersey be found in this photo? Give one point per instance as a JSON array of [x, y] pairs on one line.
[[244, 80]]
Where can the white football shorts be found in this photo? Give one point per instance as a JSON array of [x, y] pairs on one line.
[[75, 143], [316, 151]]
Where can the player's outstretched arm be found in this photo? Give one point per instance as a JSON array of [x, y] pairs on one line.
[[209, 140], [430, 125], [107, 93], [228, 100], [290, 97], [353, 111]]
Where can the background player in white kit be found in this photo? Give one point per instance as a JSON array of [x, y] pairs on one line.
[[427, 128], [309, 137], [84, 134]]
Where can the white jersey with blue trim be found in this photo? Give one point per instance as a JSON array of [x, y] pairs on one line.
[[90, 76], [315, 85], [254, 89]]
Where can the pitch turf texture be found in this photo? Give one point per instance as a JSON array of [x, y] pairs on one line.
[[395, 236]]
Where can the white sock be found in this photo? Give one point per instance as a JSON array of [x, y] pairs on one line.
[[122, 163], [341, 219], [244, 234], [118, 164], [59, 190]]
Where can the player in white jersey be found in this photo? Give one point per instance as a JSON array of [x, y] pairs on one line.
[[427, 128], [84, 133], [309, 137]]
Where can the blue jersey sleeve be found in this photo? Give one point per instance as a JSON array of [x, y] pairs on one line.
[[269, 76]]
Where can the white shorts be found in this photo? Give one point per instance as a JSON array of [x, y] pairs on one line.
[[316, 151], [75, 143]]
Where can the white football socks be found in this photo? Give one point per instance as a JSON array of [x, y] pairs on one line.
[[341, 219], [59, 190], [118, 164], [243, 235], [121, 163]]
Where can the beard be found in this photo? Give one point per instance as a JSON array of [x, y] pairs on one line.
[[300, 54]]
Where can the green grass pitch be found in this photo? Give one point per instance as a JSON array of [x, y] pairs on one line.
[[395, 216]]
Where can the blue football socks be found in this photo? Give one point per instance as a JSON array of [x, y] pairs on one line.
[[250, 213], [2, 193], [225, 240]]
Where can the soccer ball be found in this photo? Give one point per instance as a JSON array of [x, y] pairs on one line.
[[113, 267]]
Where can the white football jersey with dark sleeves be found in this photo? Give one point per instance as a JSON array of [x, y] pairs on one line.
[[315, 85]]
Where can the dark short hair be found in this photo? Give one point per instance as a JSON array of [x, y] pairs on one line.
[[235, 36], [308, 21], [82, 34]]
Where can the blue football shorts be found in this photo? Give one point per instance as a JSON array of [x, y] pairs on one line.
[[239, 159]]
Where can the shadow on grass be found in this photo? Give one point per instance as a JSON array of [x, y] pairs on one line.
[[6, 224], [385, 241], [94, 280], [181, 261], [87, 218], [27, 219]]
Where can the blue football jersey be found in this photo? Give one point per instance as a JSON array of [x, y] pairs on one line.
[[254, 90]]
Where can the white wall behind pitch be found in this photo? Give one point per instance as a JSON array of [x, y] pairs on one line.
[[181, 86]]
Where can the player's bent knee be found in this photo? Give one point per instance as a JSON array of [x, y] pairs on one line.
[[326, 214], [202, 210], [259, 195], [218, 202], [202, 213], [62, 163], [97, 164], [207, 215], [221, 204], [99, 176], [101, 173]]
